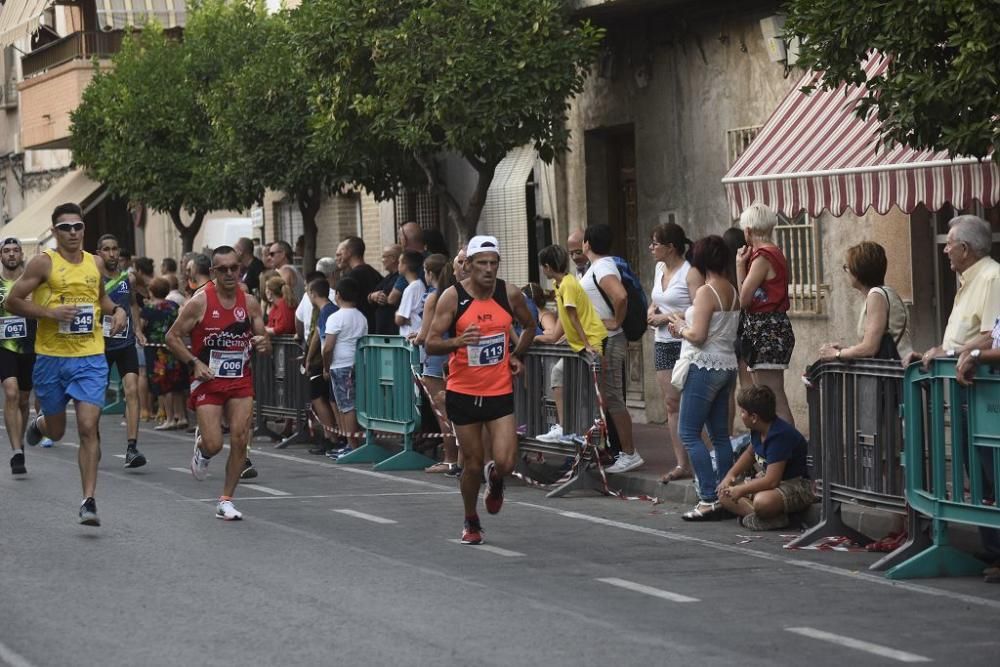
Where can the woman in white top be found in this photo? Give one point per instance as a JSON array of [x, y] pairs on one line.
[[883, 311], [673, 286], [708, 332]]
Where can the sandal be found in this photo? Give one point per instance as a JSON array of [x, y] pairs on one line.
[[179, 425], [440, 467], [704, 512], [678, 473]]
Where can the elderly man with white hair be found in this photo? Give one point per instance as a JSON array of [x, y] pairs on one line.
[[304, 311], [977, 302]]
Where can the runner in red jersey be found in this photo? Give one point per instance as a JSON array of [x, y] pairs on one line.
[[479, 312], [223, 323]]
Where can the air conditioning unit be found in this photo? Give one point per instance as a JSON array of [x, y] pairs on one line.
[[17, 149], [10, 92], [772, 29]]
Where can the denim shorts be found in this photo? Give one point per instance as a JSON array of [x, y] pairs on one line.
[[58, 380], [434, 365], [342, 383]]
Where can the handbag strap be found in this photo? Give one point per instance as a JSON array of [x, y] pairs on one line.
[[906, 317]]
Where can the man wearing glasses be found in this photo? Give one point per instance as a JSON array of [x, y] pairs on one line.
[[17, 355], [67, 300], [119, 349], [223, 322]]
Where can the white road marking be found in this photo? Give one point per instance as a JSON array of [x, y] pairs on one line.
[[867, 647], [184, 470], [264, 489], [366, 517], [328, 495], [776, 558], [12, 658], [648, 590], [257, 451], [492, 549], [118, 456]]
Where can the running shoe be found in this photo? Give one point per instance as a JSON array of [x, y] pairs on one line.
[[555, 434], [473, 532], [32, 434], [249, 472], [453, 471], [494, 488], [199, 464], [626, 462], [17, 463], [133, 458], [46, 442], [225, 511], [88, 513]]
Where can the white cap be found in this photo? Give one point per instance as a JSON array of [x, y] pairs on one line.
[[480, 244]]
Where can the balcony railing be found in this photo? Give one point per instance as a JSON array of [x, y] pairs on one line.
[[77, 46]]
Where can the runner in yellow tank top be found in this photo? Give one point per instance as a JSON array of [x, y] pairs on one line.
[[68, 301]]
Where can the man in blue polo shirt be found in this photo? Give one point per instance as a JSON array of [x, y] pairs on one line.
[[783, 486]]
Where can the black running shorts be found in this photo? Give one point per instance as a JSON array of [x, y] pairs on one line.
[[17, 365], [464, 409], [125, 358]]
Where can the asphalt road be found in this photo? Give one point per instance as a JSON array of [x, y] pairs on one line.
[[338, 565]]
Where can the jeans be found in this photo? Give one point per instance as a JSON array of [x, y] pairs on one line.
[[705, 404]]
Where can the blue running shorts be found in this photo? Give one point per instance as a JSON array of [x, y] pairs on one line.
[[60, 379]]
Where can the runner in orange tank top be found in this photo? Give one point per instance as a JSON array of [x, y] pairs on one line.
[[479, 312]]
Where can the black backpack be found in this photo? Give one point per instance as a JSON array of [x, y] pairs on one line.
[[635, 323]]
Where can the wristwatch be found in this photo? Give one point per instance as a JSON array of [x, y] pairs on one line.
[[975, 354], [838, 353]]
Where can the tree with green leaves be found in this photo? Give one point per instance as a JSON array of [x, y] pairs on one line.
[[941, 89], [142, 129], [475, 78], [264, 116]]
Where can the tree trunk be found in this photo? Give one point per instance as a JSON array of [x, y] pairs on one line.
[[308, 201], [189, 231], [485, 171]]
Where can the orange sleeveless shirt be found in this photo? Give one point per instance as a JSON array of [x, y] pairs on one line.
[[482, 369]]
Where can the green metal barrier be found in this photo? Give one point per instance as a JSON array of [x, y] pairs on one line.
[[387, 400], [952, 461], [114, 395]]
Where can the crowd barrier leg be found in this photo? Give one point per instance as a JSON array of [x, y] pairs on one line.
[[939, 560], [583, 481], [116, 406], [917, 541], [301, 436]]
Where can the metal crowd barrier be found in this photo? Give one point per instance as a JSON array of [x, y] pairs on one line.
[[281, 391], [856, 444], [534, 407], [388, 401], [952, 461]]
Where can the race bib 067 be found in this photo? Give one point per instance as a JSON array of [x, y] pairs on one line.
[[13, 327]]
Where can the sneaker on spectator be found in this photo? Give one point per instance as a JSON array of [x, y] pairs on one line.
[[473, 532], [555, 434], [755, 523], [626, 462]]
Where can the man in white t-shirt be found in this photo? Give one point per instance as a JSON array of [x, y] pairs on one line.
[[304, 311], [409, 313], [603, 284], [344, 329]]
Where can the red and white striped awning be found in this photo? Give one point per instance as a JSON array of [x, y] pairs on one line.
[[815, 154]]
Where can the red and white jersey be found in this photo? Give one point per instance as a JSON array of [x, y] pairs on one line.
[[222, 341]]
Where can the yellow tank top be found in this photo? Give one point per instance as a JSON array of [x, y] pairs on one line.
[[76, 284]]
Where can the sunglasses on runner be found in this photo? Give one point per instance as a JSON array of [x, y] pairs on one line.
[[68, 227]]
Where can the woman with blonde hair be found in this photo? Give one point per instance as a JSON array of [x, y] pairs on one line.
[[280, 316], [883, 324], [767, 340]]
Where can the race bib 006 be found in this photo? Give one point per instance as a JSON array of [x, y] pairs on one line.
[[226, 364], [489, 351], [82, 322], [13, 327]]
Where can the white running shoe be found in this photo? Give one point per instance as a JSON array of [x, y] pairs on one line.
[[225, 511], [625, 462], [555, 434], [199, 464]]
